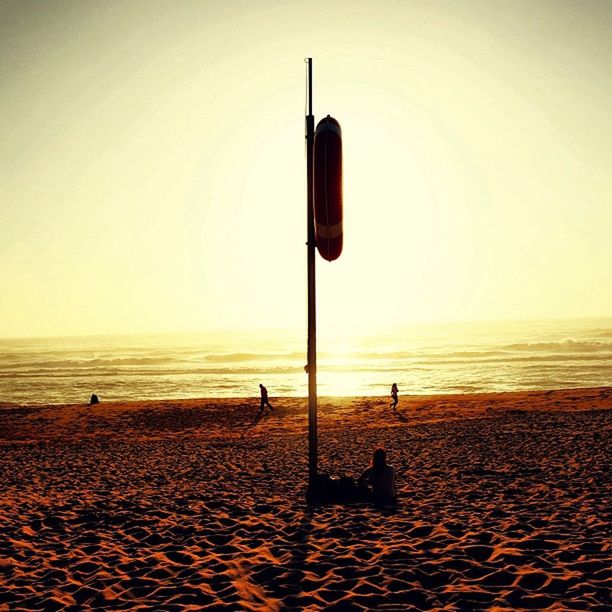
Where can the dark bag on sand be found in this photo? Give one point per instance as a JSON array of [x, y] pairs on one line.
[[332, 489]]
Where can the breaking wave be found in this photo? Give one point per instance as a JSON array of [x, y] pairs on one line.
[[567, 345]]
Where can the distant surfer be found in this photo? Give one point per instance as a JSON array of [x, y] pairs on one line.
[[264, 399], [394, 396]]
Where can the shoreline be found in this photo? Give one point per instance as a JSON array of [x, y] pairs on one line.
[[323, 398]]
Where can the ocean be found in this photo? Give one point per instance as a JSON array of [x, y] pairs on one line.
[[427, 359]]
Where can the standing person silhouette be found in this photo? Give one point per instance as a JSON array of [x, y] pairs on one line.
[[264, 399], [394, 396]]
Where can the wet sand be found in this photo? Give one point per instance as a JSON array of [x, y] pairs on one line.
[[195, 504]]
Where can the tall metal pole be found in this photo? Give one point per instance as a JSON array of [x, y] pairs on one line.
[[312, 305]]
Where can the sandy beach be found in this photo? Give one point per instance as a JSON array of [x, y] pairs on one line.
[[195, 504]]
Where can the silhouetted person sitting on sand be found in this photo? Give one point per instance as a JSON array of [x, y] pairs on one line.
[[264, 399], [379, 479], [94, 400], [394, 396]]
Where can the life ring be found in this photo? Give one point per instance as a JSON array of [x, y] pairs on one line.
[[328, 188]]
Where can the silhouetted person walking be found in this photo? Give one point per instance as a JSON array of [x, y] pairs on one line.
[[264, 399], [394, 396]]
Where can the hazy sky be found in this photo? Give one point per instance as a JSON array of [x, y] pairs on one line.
[[152, 162]]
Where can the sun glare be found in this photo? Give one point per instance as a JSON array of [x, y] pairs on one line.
[[175, 178]]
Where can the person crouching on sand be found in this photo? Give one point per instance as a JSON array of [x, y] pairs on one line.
[[264, 399], [394, 396], [379, 479]]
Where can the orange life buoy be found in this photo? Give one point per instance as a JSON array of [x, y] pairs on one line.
[[328, 188]]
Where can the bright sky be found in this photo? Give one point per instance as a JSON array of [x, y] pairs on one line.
[[152, 167]]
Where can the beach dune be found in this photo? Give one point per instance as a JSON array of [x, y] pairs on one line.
[[195, 504]]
